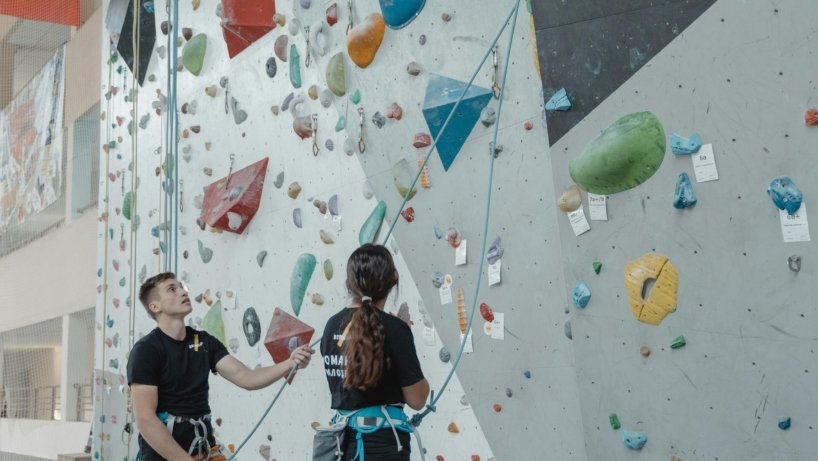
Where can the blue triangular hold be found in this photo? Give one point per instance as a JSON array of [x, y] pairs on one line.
[[397, 14], [441, 95]]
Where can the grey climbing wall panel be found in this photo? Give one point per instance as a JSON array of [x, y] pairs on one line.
[[742, 75]]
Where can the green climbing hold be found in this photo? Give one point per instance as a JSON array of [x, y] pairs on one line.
[[302, 272], [625, 155], [403, 175], [355, 97], [328, 271], [370, 228], [336, 80], [193, 53], [341, 124], [614, 420], [213, 322], [678, 342], [528, 7], [295, 67], [127, 205], [114, 57], [597, 266]]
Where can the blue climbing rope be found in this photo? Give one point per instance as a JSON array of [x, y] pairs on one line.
[[171, 169]]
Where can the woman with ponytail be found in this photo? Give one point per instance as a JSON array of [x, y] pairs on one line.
[[371, 364]]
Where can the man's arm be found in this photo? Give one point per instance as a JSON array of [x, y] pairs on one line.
[[145, 399], [237, 373]]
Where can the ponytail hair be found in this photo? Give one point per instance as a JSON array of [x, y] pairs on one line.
[[371, 275]]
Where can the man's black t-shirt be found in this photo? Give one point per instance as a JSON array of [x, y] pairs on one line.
[[180, 370], [404, 370]]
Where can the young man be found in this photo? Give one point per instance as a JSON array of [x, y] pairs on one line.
[[168, 373]]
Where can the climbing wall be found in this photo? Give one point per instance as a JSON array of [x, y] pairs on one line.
[[515, 391], [742, 76]]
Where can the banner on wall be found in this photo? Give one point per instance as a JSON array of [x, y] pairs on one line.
[[31, 145]]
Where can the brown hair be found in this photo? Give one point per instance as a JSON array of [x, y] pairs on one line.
[[371, 275], [146, 291]]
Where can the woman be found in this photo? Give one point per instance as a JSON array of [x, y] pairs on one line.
[[371, 364]]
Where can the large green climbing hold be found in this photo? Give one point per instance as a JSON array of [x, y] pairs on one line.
[[194, 52], [403, 175], [295, 67], [127, 205], [213, 322], [370, 228], [302, 272], [625, 155], [336, 80]]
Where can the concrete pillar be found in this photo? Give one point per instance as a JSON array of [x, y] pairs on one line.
[[74, 364], [6, 73]]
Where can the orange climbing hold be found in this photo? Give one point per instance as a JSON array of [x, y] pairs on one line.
[[424, 175], [461, 310], [365, 39], [453, 428], [811, 116], [498, 408], [475, 458]]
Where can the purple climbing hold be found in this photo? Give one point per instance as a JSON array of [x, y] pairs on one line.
[[305, 4]]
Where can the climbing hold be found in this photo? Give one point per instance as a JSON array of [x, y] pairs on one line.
[[453, 237], [784, 423], [508, 392], [661, 300], [245, 22], [424, 174], [300, 278], [271, 67], [242, 199], [127, 204], [408, 214], [316, 38], [422, 140], [279, 181], [528, 126], [614, 421], [441, 95], [328, 271], [581, 294], [280, 47], [438, 233], [486, 313], [413, 69], [559, 101], [213, 322], [422, 39], [370, 227], [332, 204], [438, 279], [211, 90], [794, 263], [597, 266], [295, 27], [785, 194], [239, 115], [326, 237], [527, 374], [403, 174], [233, 221], [264, 451], [205, 253], [571, 199], [336, 79], [680, 145], [325, 97], [398, 14], [321, 205], [444, 355], [294, 190], [625, 155], [378, 120], [260, 258], [252, 326], [303, 127], [287, 101], [644, 351], [446, 17], [461, 311], [295, 67], [488, 116], [495, 251], [332, 14], [497, 409], [284, 334], [187, 33], [366, 190], [317, 299], [453, 428], [678, 342], [297, 217], [634, 440], [684, 196], [567, 329], [193, 54], [811, 116], [364, 40], [340, 124], [395, 111], [355, 97]]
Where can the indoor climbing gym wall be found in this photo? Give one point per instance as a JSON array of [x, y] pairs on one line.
[[683, 152], [288, 134]]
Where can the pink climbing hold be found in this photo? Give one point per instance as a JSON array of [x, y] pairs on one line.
[[422, 140], [332, 14], [811, 116], [395, 112]]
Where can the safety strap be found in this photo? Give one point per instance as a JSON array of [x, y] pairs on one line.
[[200, 444], [372, 419]]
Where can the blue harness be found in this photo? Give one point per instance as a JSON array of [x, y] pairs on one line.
[[372, 419]]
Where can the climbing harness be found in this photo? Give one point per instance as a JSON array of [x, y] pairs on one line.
[[200, 448]]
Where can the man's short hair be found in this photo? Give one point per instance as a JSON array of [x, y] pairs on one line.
[[146, 291]]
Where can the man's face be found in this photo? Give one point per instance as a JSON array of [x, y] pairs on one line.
[[171, 299]]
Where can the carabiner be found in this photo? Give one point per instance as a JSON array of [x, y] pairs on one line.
[[307, 59], [315, 147], [495, 87], [361, 143], [349, 24], [230, 173]]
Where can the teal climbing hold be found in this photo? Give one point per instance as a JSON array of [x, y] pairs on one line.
[[370, 228], [355, 97], [397, 14], [340, 124], [441, 95], [213, 322], [295, 67], [302, 272], [634, 440]]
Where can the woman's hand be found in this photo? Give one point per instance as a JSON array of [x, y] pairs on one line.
[[301, 356]]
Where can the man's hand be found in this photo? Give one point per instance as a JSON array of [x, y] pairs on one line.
[[301, 356]]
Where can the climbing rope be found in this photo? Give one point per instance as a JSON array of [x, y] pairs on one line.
[[171, 163], [512, 16]]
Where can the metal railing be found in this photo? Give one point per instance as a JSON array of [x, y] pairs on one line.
[[85, 402], [31, 402]]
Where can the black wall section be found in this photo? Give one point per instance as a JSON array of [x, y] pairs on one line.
[[591, 47]]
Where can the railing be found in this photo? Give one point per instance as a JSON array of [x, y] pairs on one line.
[[31, 402], [85, 402]]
